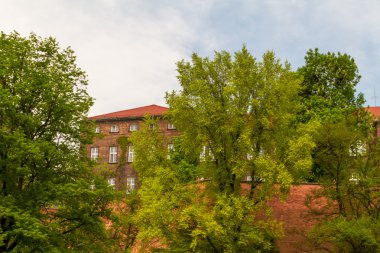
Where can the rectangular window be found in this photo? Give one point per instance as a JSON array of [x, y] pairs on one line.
[[113, 155], [354, 177], [131, 184], [131, 153], [170, 149], [114, 129], [133, 127], [171, 126], [112, 182], [152, 126], [358, 149], [94, 153], [202, 155], [206, 152], [97, 129]]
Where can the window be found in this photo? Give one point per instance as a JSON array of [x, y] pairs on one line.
[[206, 152], [170, 150], [131, 153], [131, 184], [112, 182], [354, 177], [152, 126], [171, 126], [113, 155], [133, 127], [94, 153], [357, 149], [202, 155], [92, 185], [97, 129], [114, 129]]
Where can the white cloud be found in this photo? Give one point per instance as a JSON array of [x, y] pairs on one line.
[[129, 48]]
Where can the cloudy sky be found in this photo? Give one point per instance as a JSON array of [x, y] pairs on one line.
[[129, 47]]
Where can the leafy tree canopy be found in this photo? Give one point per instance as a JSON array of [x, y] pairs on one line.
[[237, 118], [45, 196], [329, 85]]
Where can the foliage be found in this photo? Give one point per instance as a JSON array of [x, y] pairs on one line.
[[123, 230], [236, 107], [45, 198], [329, 85], [345, 157], [237, 117], [350, 169], [344, 235]]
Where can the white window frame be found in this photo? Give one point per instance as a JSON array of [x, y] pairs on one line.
[[170, 149], [94, 153], [114, 129], [206, 152], [131, 184], [171, 126], [202, 155], [358, 149], [97, 129], [112, 181], [112, 154], [354, 177], [131, 153], [133, 127]]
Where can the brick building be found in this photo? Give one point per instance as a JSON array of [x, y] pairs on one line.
[[106, 150], [375, 111]]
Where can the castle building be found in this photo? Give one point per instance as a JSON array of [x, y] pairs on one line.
[[106, 150]]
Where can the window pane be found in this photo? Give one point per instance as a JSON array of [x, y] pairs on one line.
[[94, 153], [114, 129], [113, 155], [131, 153]]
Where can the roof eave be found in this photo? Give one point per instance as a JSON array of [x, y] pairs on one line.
[[125, 118]]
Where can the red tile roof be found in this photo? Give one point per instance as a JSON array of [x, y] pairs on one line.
[[153, 110], [375, 110]]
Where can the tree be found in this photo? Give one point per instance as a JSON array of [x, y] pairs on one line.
[[234, 109], [329, 85], [46, 203], [345, 156], [238, 120], [348, 161]]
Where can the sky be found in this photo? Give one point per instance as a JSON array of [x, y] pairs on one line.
[[129, 48]]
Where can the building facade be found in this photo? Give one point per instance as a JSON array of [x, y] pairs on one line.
[[106, 149], [375, 111]]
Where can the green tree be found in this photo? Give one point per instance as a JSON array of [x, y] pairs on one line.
[[46, 203], [344, 159], [237, 117], [329, 85], [349, 164]]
